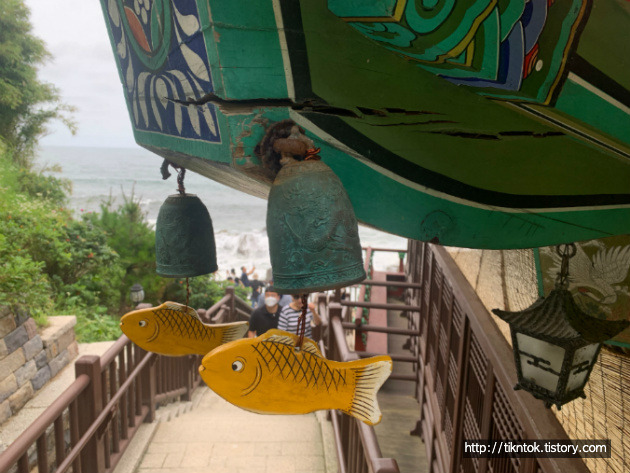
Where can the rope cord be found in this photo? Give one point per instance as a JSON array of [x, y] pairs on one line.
[[301, 326], [181, 173], [187, 292]]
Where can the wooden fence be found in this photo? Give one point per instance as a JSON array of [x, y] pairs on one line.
[[466, 375], [89, 426]]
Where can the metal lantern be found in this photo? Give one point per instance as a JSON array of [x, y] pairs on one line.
[[136, 293], [313, 233], [184, 239], [556, 344]]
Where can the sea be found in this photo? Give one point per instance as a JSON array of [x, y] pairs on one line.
[[102, 174]]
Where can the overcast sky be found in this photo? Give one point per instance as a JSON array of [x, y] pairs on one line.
[[84, 70]]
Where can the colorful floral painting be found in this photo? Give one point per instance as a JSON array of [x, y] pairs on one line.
[[511, 49], [162, 58]]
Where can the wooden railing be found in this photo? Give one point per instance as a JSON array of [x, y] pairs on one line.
[[467, 374], [356, 444], [89, 426]]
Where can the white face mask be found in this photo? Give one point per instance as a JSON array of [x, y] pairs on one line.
[[270, 301]]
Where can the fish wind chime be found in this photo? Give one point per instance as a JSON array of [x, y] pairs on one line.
[[314, 246], [184, 247]]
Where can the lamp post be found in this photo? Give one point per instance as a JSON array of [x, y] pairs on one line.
[[556, 344], [136, 294]]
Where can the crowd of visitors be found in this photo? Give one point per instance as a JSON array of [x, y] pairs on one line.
[[271, 309]]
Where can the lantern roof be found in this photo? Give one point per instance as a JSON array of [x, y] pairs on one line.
[[558, 318]]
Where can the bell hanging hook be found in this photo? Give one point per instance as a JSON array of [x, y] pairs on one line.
[[181, 174], [566, 252]]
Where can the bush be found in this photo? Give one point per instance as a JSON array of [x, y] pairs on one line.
[[37, 184], [129, 235], [96, 326]]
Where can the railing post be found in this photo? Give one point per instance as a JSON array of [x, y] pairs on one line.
[[334, 310], [90, 404], [188, 378], [149, 389], [229, 291]]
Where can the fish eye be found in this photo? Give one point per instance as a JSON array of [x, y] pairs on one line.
[[237, 365], [142, 323]]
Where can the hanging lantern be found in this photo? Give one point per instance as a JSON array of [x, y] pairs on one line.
[[184, 238], [313, 233], [556, 344]]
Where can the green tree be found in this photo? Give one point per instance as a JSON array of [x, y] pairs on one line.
[[27, 104]]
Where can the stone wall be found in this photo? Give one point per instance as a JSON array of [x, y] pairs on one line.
[[28, 357]]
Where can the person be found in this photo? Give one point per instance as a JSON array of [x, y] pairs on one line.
[[256, 286], [290, 314], [285, 299], [266, 317], [245, 275]]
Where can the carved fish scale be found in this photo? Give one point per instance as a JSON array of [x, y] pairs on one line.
[[304, 367], [183, 325]]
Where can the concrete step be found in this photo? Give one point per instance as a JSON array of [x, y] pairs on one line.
[[132, 457]]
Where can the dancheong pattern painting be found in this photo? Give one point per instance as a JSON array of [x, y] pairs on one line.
[[491, 124]]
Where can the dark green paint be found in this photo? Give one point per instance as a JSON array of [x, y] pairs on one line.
[[313, 234], [184, 238]]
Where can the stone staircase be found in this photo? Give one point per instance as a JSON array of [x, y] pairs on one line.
[[132, 457]]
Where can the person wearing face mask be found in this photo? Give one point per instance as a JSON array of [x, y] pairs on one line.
[[265, 317]]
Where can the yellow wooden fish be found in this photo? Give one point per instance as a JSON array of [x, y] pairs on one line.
[[267, 374], [175, 330]]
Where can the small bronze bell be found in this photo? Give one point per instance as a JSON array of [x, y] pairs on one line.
[[184, 239], [313, 233]]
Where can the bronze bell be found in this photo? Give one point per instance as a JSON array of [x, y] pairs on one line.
[[313, 233], [184, 239]]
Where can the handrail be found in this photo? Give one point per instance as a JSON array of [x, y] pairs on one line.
[[377, 328], [131, 382], [372, 282], [243, 304], [537, 422], [113, 351], [367, 434], [104, 415], [402, 307], [21, 445], [217, 306], [391, 250]]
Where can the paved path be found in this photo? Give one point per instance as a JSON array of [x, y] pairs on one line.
[[217, 437]]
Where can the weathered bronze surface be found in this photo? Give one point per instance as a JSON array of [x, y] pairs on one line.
[[313, 233], [184, 239]]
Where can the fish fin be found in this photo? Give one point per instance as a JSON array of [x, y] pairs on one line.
[[287, 338], [370, 374], [183, 309], [232, 331]]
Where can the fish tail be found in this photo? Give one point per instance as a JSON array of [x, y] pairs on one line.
[[231, 331], [370, 374]]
